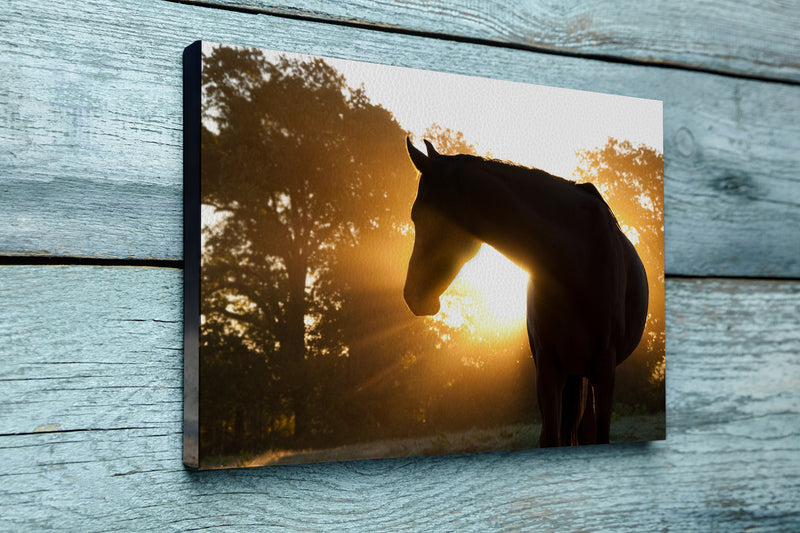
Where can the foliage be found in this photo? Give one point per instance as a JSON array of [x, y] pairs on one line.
[[298, 170], [631, 179], [448, 141]]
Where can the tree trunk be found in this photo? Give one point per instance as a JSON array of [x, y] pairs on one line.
[[295, 347]]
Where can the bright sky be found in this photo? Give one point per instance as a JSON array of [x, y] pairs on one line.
[[531, 125]]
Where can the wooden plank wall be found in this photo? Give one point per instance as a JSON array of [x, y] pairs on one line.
[[91, 280]]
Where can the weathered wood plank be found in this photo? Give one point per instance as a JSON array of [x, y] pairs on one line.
[[748, 38], [91, 157], [90, 429], [58, 359]]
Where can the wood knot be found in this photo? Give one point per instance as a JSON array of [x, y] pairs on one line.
[[740, 185]]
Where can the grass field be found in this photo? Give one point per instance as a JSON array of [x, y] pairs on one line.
[[634, 428]]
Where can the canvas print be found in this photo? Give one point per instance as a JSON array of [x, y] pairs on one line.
[[384, 262]]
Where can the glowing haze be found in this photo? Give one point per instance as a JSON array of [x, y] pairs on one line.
[[531, 125]]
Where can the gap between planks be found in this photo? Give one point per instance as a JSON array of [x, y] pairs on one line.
[[42, 260]]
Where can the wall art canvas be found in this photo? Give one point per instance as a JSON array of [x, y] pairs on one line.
[[383, 261]]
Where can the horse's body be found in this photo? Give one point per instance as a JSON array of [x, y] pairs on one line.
[[587, 296]]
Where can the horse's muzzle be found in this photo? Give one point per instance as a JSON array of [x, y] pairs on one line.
[[421, 306]]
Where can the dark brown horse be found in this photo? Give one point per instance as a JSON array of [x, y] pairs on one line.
[[587, 295]]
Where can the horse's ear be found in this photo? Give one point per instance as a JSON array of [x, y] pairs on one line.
[[431, 150], [419, 159]]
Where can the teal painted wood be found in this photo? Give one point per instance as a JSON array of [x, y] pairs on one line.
[[72, 347], [90, 144], [748, 38], [90, 429], [91, 358]]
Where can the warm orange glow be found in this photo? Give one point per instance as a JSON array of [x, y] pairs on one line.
[[487, 298]]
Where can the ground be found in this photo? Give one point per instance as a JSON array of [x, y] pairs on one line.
[[632, 428]]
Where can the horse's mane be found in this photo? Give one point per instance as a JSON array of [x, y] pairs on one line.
[[520, 173]]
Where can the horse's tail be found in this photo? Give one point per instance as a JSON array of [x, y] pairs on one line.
[[573, 402]]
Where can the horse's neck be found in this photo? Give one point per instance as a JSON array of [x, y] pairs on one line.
[[523, 217]]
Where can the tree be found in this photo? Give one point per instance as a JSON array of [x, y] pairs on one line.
[[631, 179], [298, 169], [448, 141]]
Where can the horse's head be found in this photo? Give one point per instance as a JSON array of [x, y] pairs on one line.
[[441, 247]]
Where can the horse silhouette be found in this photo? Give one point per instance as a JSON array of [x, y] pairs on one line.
[[587, 292]]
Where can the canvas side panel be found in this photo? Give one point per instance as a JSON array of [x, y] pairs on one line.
[[192, 65]]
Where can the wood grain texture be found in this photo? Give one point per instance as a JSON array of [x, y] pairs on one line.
[[90, 144], [91, 358], [749, 38], [90, 429]]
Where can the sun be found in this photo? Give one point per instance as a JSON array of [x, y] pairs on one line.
[[488, 296]]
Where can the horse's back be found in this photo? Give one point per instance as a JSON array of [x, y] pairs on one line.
[[625, 281], [637, 295], [580, 317]]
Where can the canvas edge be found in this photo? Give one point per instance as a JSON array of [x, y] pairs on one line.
[[192, 56]]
